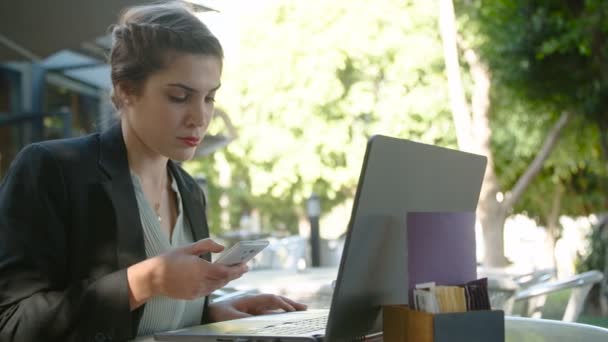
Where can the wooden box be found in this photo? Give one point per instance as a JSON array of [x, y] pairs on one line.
[[401, 324]]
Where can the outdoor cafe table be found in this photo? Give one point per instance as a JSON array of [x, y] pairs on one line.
[[314, 287], [521, 329]]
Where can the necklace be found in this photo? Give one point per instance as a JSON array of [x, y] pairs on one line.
[[160, 200], [157, 210]]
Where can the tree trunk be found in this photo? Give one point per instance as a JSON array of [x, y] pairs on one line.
[[474, 134], [552, 220], [489, 205], [490, 211], [460, 109], [473, 131], [492, 219]]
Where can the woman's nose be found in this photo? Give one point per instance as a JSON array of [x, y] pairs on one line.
[[201, 116]]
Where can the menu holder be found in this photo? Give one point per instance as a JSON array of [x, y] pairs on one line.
[[441, 249], [402, 324]]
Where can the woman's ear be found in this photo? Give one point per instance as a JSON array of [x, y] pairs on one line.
[[122, 96]]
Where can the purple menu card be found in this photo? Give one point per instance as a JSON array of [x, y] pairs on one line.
[[441, 248]]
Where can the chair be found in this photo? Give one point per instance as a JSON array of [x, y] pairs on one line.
[[579, 286], [502, 285], [535, 277]]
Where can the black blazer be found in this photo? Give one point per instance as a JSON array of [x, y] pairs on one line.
[[69, 228]]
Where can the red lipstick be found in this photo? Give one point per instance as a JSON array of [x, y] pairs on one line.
[[190, 141]]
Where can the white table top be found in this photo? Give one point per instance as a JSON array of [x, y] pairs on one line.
[[318, 281], [520, 329]]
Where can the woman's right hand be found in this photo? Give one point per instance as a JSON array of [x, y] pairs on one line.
[[180, 274], [183, 274]]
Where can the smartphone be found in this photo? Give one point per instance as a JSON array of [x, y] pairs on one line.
[[241, 252]]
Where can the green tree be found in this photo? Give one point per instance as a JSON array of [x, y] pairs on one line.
[[475, 132], [310, 82], [513, 40], [550, 52]]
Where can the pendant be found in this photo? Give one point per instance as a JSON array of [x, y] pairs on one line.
[[157, 211]]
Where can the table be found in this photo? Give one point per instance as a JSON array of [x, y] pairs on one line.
[[522, 329], [317, 283]]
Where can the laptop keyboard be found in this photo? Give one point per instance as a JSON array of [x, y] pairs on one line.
[[301, 326]]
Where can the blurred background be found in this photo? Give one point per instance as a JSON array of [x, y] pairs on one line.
[[306, 83]]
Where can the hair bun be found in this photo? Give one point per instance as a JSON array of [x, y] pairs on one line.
[[116, 32]]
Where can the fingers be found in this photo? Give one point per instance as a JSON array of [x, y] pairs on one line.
[[268, 303], [240, 269], [228, 273], [295, 305], [215, 276], [224, 311], [209, 286], [204, 246], [187, 276], [239, 314], [286, 304], [263, 304], [278, 302]]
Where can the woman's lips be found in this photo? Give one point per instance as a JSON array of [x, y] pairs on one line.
[[190, 141]]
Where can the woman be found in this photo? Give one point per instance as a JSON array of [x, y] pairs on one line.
[[101, 237]]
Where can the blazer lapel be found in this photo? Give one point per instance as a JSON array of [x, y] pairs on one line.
[[194, 209], [130, 246]]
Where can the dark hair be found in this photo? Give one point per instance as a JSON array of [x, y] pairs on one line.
[[146, 36]]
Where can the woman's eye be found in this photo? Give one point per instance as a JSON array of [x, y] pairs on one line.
[[209, 99], [178, 99]]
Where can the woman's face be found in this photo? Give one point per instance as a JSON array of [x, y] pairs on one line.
[[172, 112]]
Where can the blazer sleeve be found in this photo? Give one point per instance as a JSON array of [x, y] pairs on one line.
[[39, 300]]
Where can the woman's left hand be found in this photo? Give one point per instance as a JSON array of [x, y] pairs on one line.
[[253, 305]]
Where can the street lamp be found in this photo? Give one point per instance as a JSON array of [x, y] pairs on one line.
[[313, 209]]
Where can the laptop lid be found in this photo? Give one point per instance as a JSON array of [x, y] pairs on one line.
[[398, 176]]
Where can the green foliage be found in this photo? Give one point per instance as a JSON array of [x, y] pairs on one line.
[[546, 57], [574, 168], [553, 52], [311, 81]]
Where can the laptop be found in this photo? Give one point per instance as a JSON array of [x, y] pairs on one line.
[[398, 176]]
